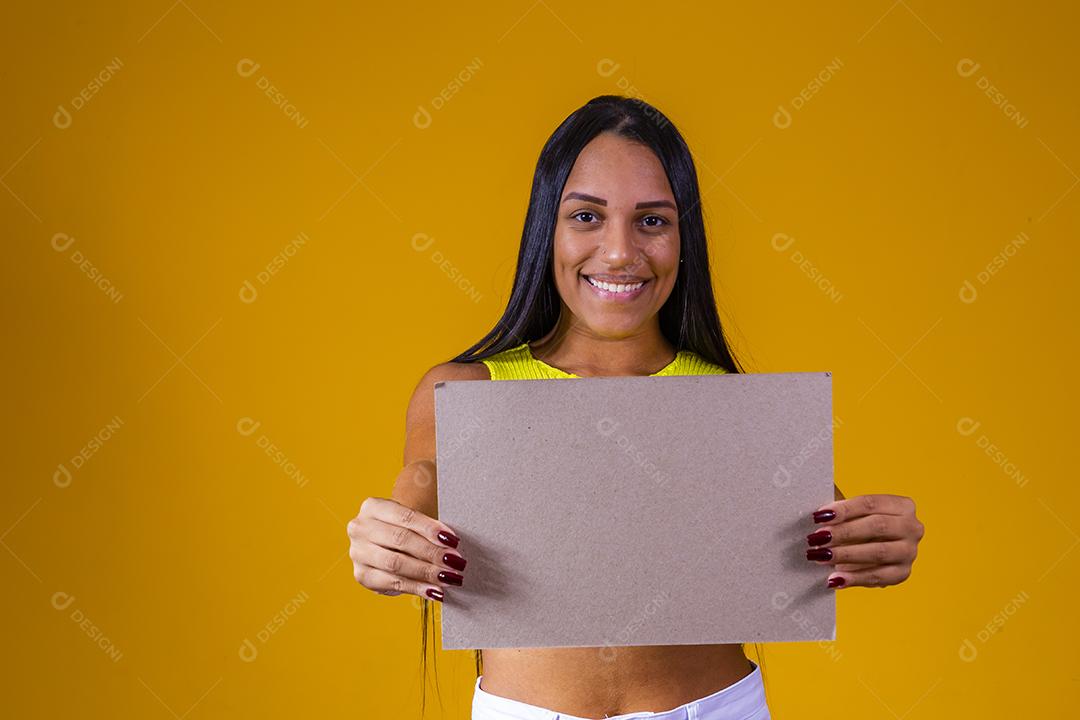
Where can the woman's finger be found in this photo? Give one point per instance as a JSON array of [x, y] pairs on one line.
[[397, 562], [846, 567], [386, 583], [401, 565], [840, 511], [404, 540], [875, 576], [861, 530], [875, 553], [393, 512]]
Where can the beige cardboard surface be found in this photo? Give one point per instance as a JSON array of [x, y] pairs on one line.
[[613, 511]]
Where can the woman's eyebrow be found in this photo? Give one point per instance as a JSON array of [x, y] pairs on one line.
[[656, 203], [601, 201]]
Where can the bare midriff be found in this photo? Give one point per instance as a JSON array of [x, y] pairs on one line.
[[596, 682]]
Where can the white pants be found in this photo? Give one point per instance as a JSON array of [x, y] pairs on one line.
[[742, 700]]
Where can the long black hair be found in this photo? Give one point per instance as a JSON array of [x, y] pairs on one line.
[[688, 320]]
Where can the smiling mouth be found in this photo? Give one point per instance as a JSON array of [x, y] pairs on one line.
[[615, 289]]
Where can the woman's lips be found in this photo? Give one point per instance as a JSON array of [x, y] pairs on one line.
[[614, 296]]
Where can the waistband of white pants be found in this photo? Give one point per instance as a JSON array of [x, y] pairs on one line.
[[742, 699]]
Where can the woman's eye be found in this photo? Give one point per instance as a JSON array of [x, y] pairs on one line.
[[652, 221]]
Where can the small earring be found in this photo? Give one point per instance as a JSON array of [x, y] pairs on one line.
[[681, 259]]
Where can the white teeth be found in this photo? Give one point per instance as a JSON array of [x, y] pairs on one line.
[[611, 287]]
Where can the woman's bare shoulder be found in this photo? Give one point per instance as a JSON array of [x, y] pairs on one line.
[[422, 402], [457, 371], [420, 416]]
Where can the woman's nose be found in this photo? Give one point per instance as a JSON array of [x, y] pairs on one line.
[[618, 247]]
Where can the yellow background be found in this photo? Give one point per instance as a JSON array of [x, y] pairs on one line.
[[179, 538]]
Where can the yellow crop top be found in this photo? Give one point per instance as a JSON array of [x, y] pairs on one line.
[[518, 363]]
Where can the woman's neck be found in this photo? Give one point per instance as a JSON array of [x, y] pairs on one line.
[[580, 351]]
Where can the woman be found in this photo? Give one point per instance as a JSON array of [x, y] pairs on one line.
[[612, 279]]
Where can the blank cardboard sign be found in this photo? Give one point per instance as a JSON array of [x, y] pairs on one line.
[[635, 510]]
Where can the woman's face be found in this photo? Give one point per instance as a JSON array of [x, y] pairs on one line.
[[617, 226]]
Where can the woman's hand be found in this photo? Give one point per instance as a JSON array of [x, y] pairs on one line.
[[396, 549], [871, 539]]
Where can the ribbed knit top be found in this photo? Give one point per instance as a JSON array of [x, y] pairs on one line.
[[518, 363]]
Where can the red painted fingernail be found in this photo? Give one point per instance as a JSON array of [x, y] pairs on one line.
[[450, 578], [837, 581], [824, 515], [819, 554], [448, 539], [819, 537], [455, 561], [434, 594]]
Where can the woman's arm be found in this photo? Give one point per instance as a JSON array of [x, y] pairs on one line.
[[416, 486], [396, 544]]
